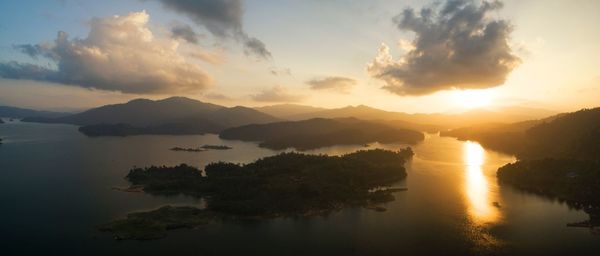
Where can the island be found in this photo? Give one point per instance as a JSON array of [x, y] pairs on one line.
[[320, 132], [216, 147], [188, 149], [289, 184]]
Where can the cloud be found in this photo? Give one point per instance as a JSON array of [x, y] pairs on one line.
[[276, 94], [216, 96], [215, 58], [457, 47], [222, 18], [120, 53], [282, 71], [184, 32], [334, 83]]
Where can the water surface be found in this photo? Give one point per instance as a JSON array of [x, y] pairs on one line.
[[57, 185]]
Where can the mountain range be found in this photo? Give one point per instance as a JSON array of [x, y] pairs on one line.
[[440, 121], [175, 115], [180, 115]]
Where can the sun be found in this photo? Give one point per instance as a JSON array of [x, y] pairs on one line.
[[469, 99]]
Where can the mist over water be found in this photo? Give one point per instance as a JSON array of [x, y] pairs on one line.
[[57, 185]]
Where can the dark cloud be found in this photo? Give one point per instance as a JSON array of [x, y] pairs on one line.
[[334, 83], [277, 94], [184, 32], [253, 46], [119, 54], [32, 50], [15, 70], [222, 18], [456, 46]]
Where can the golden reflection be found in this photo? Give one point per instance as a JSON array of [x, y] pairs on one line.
[[480, 206]]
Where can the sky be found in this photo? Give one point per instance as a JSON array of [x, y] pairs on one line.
[[410, 56]]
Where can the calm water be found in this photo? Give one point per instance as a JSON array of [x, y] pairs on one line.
[[57, 184]]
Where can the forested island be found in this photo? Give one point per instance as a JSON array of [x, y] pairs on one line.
[[320, 132], [188, 149], [216, 147], [202, 148], [284, 185]]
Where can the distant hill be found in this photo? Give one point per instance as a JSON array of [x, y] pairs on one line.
[[175, 115], [14, 112], [285, 111], [427, 121], [569, 135], [320, 132]]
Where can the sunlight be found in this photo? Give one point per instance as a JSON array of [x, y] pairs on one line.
[[480, 207], [473, 98]]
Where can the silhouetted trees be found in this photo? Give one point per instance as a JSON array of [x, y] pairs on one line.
[[285, 184]]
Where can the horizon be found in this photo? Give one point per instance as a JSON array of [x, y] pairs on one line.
[[246, 59]]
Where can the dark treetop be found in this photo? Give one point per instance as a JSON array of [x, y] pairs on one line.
[[284, 185]]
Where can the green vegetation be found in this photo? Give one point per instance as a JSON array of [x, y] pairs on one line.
[[216, 147], [188, 149], [319, 132], [154, 224], [284, 185], [577, 181], [202, 148]]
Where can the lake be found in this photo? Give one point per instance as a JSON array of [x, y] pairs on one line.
[[58, 184]]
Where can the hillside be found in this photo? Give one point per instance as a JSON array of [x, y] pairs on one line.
[[14, 112], [285, 111], [427, 122], [558, 156], [320, 132], [176, 115], [568, 135]]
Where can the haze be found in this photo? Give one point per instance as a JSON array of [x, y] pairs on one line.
[[309, 52]]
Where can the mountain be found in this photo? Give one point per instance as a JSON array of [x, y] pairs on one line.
[[568, 135], [285, 111], [360, 112], [175, 115], [14, 112], [320, 132], [426, 122], [558, 157]]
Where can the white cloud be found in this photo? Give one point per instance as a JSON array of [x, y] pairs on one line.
[[120, 53]]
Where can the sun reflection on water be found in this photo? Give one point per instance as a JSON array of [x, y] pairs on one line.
[[477, 192]]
